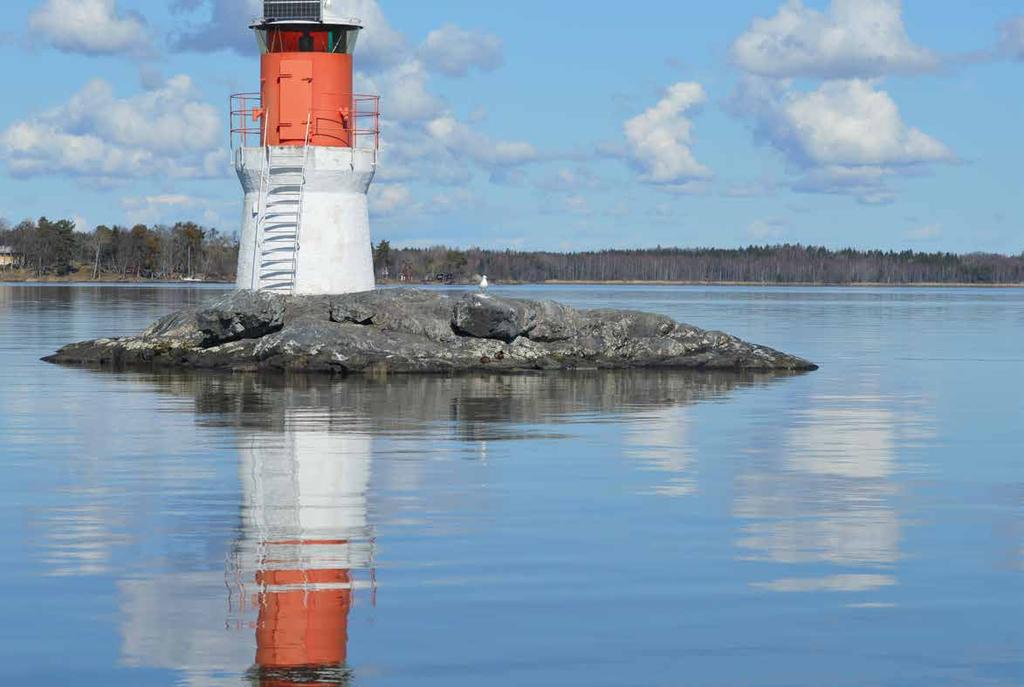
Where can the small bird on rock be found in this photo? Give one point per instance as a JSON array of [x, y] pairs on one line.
[[484, 284]]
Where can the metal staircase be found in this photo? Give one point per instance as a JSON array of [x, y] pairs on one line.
[[279, 222]]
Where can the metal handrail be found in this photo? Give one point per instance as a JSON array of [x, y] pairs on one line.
[[363, 122], [243, 107], [261, 214], [302, 192]]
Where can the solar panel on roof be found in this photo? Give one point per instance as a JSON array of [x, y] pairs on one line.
[[290, 9]]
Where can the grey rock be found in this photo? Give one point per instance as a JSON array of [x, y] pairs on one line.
[[486, 317], [405, 331], [242, 315]]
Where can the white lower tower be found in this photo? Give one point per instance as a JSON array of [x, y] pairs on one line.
[[305, 219]]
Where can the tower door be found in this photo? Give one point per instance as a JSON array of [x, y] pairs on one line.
[[296, 100]]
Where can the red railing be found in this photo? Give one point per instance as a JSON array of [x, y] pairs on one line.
[[361, 128], [246, 130]]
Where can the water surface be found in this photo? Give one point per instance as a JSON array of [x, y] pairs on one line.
[[860, 525]]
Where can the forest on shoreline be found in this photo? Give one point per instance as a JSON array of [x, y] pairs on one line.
[[781, 264], [53, 250]]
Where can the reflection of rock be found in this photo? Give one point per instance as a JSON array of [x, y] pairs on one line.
[[407, 331], [475, 406], [829, 499]]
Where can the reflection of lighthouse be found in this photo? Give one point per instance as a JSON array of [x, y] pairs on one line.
[[306, 155], [305, 534]]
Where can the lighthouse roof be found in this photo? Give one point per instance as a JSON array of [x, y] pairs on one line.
[[320, 12]]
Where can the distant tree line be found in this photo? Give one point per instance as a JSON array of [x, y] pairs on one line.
[[755, 264], [54, 247]]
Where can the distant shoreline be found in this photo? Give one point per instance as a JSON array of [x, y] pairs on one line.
[[19, 279], [73, 279], [859, 285]]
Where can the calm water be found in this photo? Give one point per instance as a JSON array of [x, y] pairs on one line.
[[862, 525]]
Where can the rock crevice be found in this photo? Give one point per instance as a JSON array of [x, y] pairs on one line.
[[414, 331]]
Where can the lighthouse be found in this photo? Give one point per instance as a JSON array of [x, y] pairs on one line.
[[305, 150]]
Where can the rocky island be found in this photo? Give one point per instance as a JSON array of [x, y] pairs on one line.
[[416, 331]]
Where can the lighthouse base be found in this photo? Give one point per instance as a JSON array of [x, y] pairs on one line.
[[305, 220]]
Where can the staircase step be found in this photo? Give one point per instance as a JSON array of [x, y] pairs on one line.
[[281, 205]]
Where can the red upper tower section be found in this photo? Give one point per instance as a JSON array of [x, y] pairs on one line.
[[306, 94]]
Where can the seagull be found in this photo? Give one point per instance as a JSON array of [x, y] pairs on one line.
[[484, 284]]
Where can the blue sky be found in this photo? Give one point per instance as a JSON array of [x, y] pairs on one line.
[[555, 125]]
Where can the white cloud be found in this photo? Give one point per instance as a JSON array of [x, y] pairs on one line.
[[390, 199], [455, 51], [1013, 37], [929, 232], [566, 180], [176, 207], [660, 139], [91, 27], [465, 141], [845, 136], [398, 200], [869, 184], [404, 91], [379, 44], [167, 131], [855, 38], [408, 153], [851, 123]]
